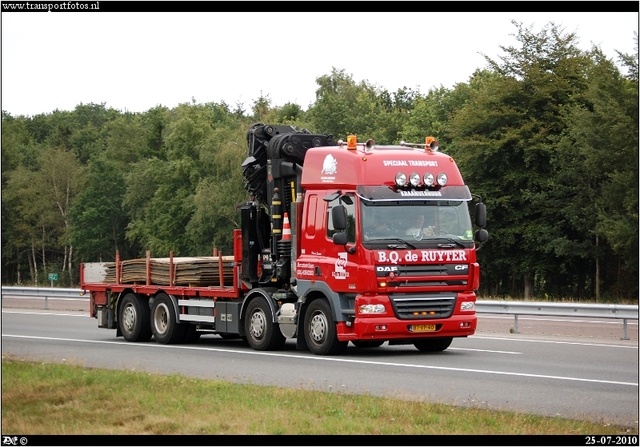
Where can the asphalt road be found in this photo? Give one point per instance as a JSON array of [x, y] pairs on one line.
[[571, 368]]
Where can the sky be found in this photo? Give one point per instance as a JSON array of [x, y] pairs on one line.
[[134, 61]]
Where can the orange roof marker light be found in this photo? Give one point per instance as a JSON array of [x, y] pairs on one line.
[[352, 142]]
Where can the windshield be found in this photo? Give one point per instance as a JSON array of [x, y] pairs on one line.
[[416, 221]]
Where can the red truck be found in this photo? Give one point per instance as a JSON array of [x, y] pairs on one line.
[[339, 242]]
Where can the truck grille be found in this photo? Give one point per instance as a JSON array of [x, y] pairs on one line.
[[423, 306], [428, 275]]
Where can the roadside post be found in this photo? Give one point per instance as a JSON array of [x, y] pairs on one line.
[[52, 277]]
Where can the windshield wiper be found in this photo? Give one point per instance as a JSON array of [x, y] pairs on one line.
[[407, 244], [455, 242]]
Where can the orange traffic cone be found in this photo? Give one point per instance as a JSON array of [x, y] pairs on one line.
[[286, 228]]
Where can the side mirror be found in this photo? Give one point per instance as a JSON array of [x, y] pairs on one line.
[[339, 217], [481, 235], [339, 220], [340, 238], [481, 214]]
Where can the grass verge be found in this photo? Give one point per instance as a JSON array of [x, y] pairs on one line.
[[60, 399]]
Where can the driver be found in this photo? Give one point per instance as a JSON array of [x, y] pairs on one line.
[[417, 228], [379, 228]]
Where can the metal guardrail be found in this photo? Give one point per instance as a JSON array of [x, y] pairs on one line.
[[42, 292], [619, 311], [623, 312]]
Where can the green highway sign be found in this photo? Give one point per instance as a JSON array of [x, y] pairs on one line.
[[53, 276]]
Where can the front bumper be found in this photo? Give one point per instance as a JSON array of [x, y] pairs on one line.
[[391, 328]]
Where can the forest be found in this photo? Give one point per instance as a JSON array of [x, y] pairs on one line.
[[547, 134]]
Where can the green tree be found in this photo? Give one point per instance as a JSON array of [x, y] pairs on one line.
[[164, 197], [428, 117], [31, 222], [97, 218], [505, 136], [159, 223], [289, 113], [125, 140], [394, 111], [261, 108], [342, 106], [601, 190], [15, 141], [60, 178], [155, 122], [218, 194], [88, 122]]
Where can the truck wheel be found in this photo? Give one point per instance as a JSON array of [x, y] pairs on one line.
[[320, 330], [433, 344], [134, 319], [262, 333], [367, 343], [164, 321]]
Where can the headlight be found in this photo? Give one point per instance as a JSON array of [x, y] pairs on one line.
[[371, 309], [428, 179], [414, 178], [442, 179], [401, 179], [468, 306]]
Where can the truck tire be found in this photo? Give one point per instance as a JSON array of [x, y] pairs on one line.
[[367, 343], [133, 319], [320, 331], [262, 333], [433, 344], [164, 322]]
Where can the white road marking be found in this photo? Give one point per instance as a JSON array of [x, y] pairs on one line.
[[484, 350], [556, 342], [475, 336], [325, 359]]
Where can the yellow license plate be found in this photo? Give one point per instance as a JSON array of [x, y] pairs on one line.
[[423, 328]]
